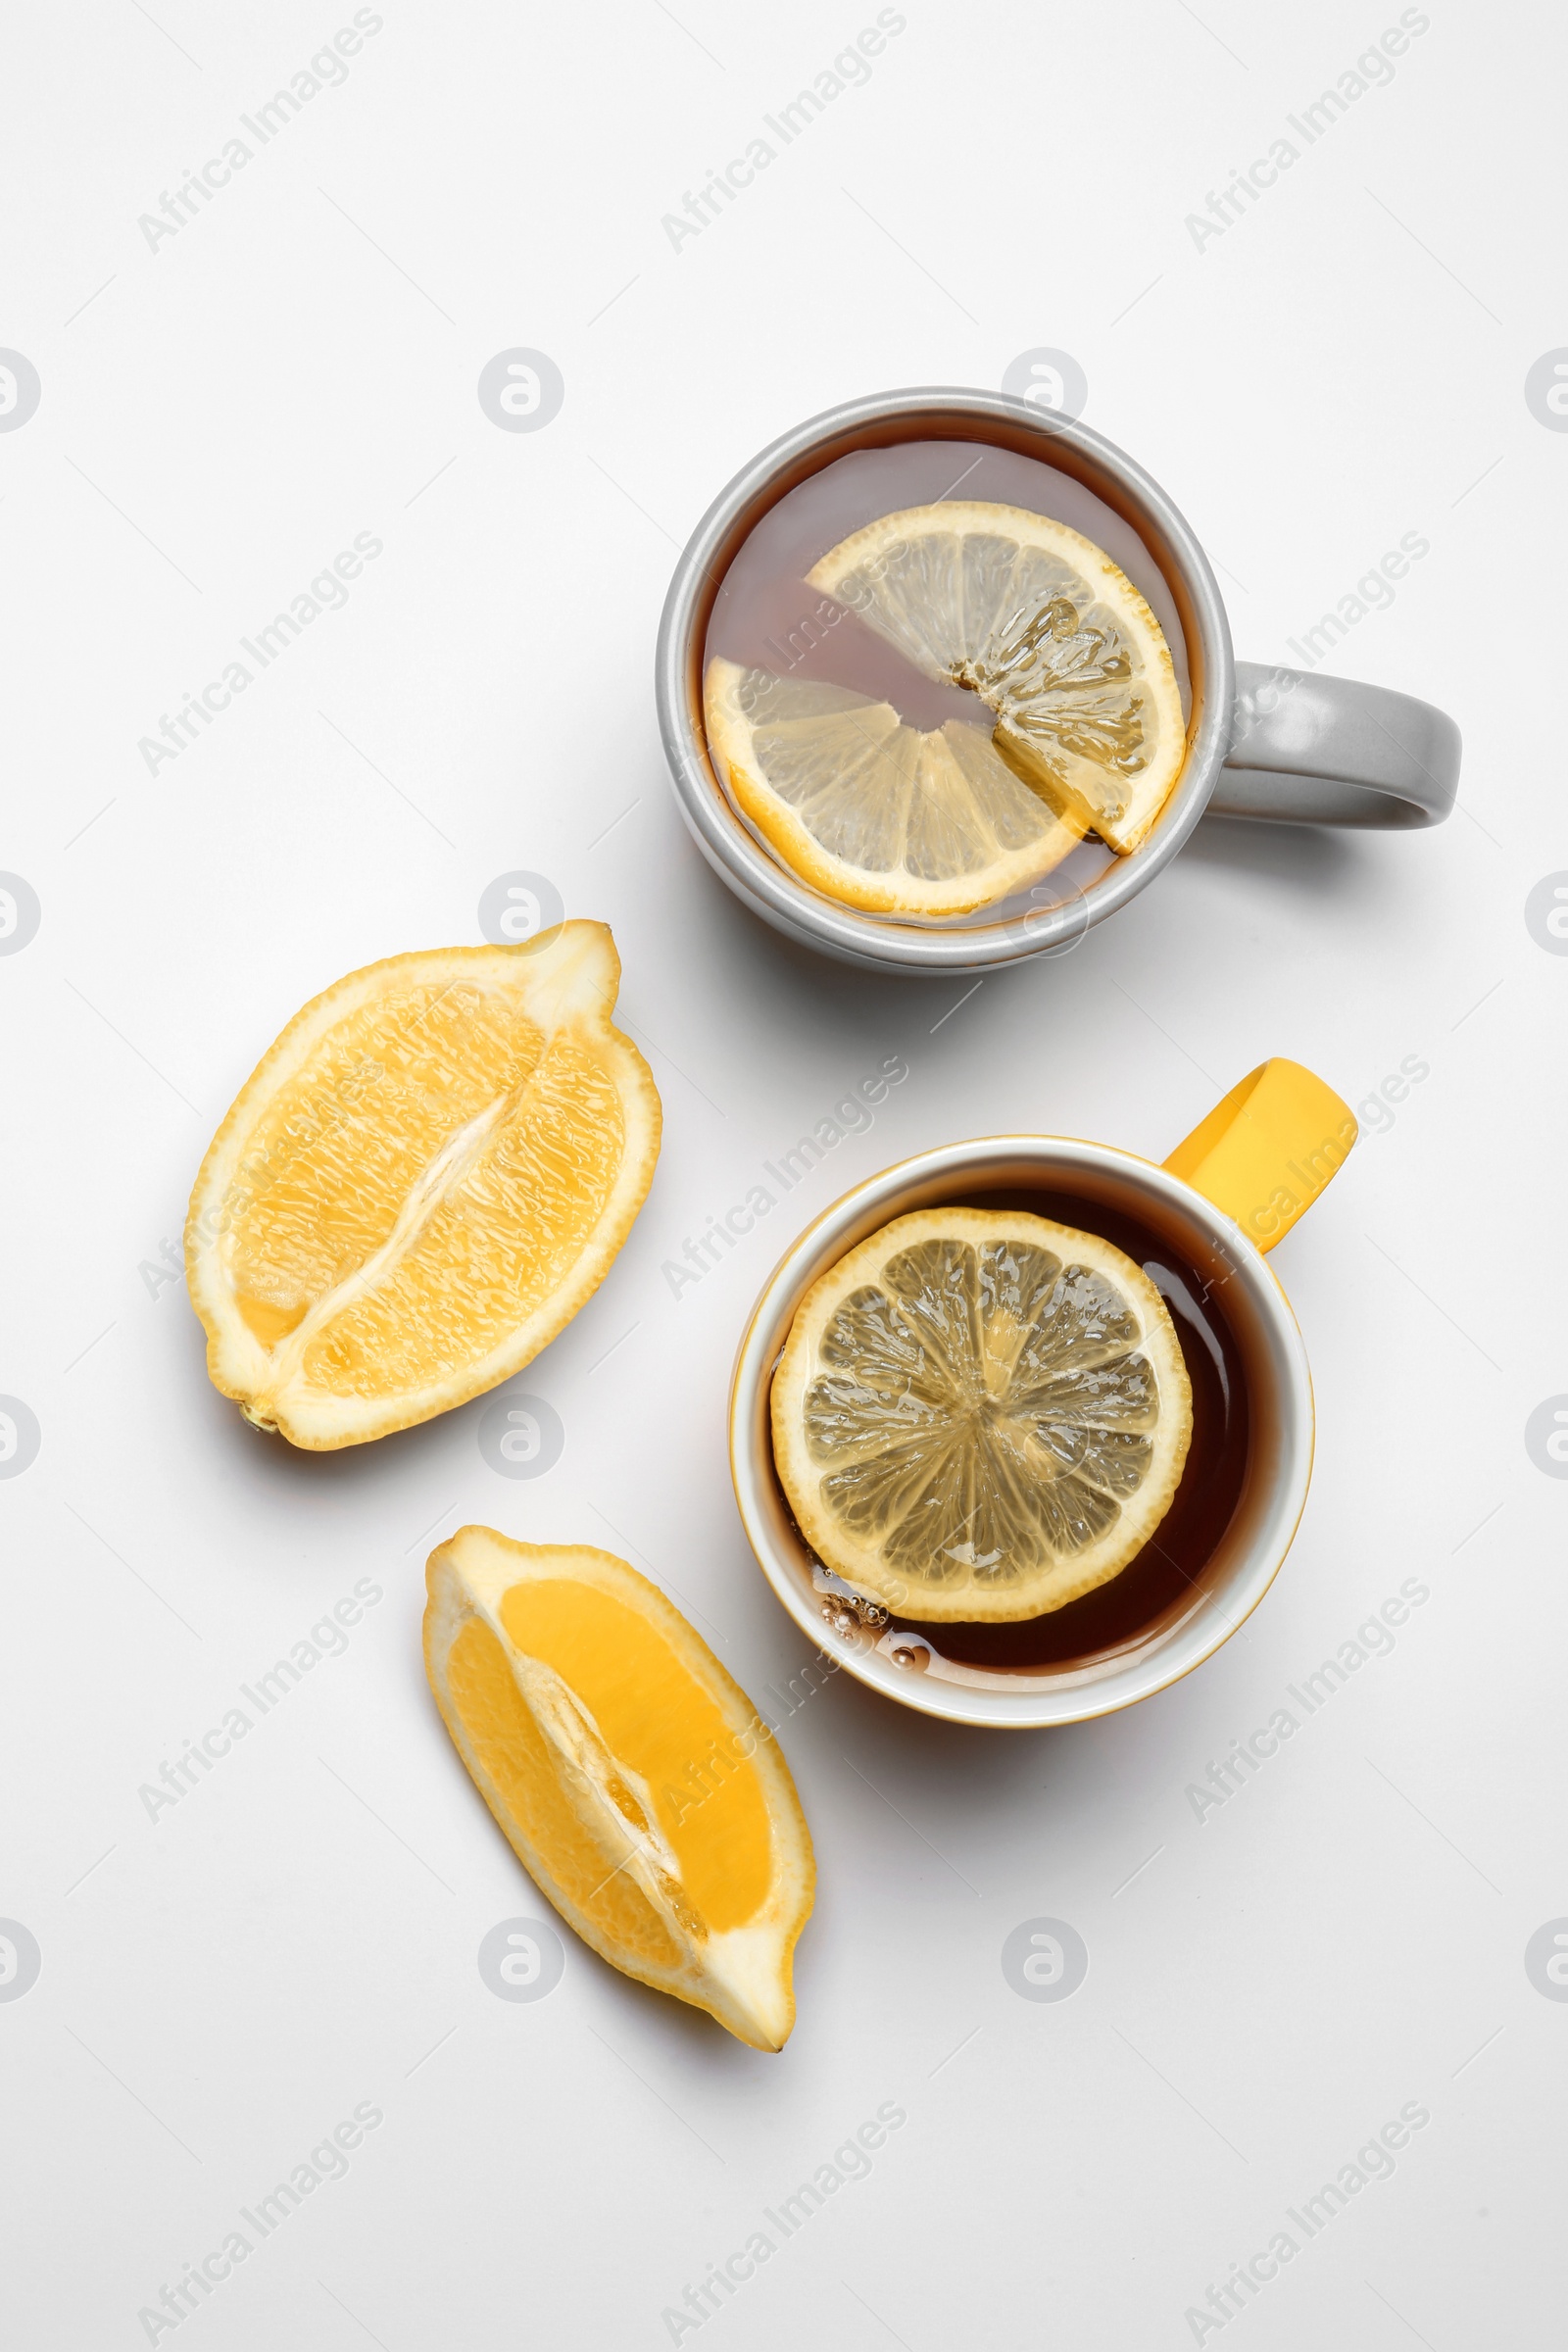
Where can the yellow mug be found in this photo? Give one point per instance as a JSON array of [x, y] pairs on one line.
[[1222, 1199]]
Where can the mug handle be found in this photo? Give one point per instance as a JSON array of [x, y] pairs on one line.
[[1265, 1152], [1312, 751]]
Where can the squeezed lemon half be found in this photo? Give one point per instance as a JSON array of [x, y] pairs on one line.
[[1049, 633], [635, 1780], [980, 1415], [423, 1181]]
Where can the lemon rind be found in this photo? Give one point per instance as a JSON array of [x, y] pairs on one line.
[[729, 735]]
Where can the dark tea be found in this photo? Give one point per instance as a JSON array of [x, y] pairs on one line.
[[900, 739]]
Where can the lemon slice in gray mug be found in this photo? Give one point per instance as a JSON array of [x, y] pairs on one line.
[[1050, 635]]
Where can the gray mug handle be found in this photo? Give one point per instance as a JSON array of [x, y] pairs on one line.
[[1312, 751]]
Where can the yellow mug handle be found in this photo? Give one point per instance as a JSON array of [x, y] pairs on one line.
[[1265, 1152]]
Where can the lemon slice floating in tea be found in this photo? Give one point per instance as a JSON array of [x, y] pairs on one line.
[[424, 1179], [979, 1416], [1046, 630], [873, 813], [635, 1780]]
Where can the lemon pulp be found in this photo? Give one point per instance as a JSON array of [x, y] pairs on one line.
[[980, 1415]]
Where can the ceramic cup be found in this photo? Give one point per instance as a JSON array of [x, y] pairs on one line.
[[1279, 743], [1223, 1198]]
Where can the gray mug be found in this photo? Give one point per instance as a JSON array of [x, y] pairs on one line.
[[1262, 742]]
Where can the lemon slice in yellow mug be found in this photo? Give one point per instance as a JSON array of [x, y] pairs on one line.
[[980, 1415]]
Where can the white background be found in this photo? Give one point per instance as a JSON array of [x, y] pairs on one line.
[[220, 416]]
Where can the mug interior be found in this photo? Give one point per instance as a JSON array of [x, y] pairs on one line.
[[1244, 1560], [1101, 493]]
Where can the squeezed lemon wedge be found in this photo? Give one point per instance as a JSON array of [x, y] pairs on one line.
[[633, 1778]]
